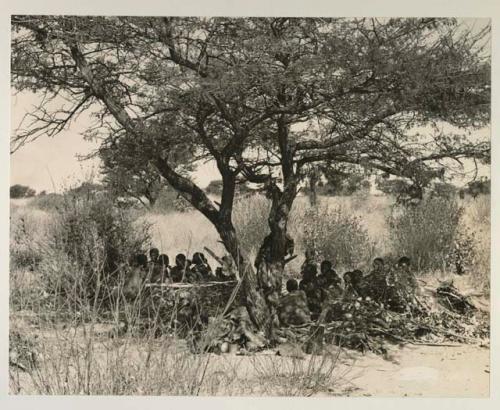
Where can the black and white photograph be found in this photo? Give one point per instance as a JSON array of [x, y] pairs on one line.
[[249, 206]]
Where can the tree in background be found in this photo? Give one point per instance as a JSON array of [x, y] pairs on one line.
[[481, 186], [215, 188], [21, 191], [264, 98], [124, 177]]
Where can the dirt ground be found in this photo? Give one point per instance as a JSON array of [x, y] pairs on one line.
[[426, 371], [411, 371], [408, 371]]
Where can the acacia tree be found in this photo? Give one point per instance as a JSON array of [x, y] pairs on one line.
[[132, 179], [264, 98]]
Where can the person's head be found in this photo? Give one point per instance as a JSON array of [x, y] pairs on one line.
[[141, 260], [326, 266], [378, 264], [180, 260], [199, 258], [154, 253], [292, 285], [356, 277], [404, 262], [347, 277], [163, 260]]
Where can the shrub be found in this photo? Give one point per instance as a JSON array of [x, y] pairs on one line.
[[462, 257], [90, 242], [47, 202], [336, 235], [28, 234], [425, 232], [169, 200], [250, 220]]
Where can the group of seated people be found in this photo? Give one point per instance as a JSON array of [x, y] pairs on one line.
[[306, 301], [197, 269]]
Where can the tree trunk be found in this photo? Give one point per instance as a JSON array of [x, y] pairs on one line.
[[313, 182], [270, 262], [253, 298]]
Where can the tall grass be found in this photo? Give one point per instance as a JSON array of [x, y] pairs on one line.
[[426, 232]]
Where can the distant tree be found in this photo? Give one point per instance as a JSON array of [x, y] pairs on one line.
[[86, 188], [443, 190], [342, 179], [214, 187], [395, 186], [481, 186], [21, 191]]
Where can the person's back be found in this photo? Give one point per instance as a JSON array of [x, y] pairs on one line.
[[178, 272], [293, 308], [136, 277], [404, 287], [332, 284], [200, 267], [309, 284], [226, 272], [352, 288], [374, 284]]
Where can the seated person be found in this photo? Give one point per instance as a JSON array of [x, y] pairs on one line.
[[153, 268], [375, 283], [178, 272], [332, 282], [135, 280], [225, 272], [404, 267], [201, 268], [352, 281], [310, 260], [154, 254], [402, 292], [292, 308], [163, 267], [312, 288]]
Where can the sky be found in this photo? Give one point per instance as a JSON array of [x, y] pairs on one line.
[[54, 163]]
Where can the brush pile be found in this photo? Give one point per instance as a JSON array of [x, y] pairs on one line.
[[359, 323], [366, 325]]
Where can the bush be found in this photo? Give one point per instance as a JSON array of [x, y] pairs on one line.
[[250, 218], [91, 241], [425, 232], [28, 235], [47, 202], [169, 200], [336, 235]]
